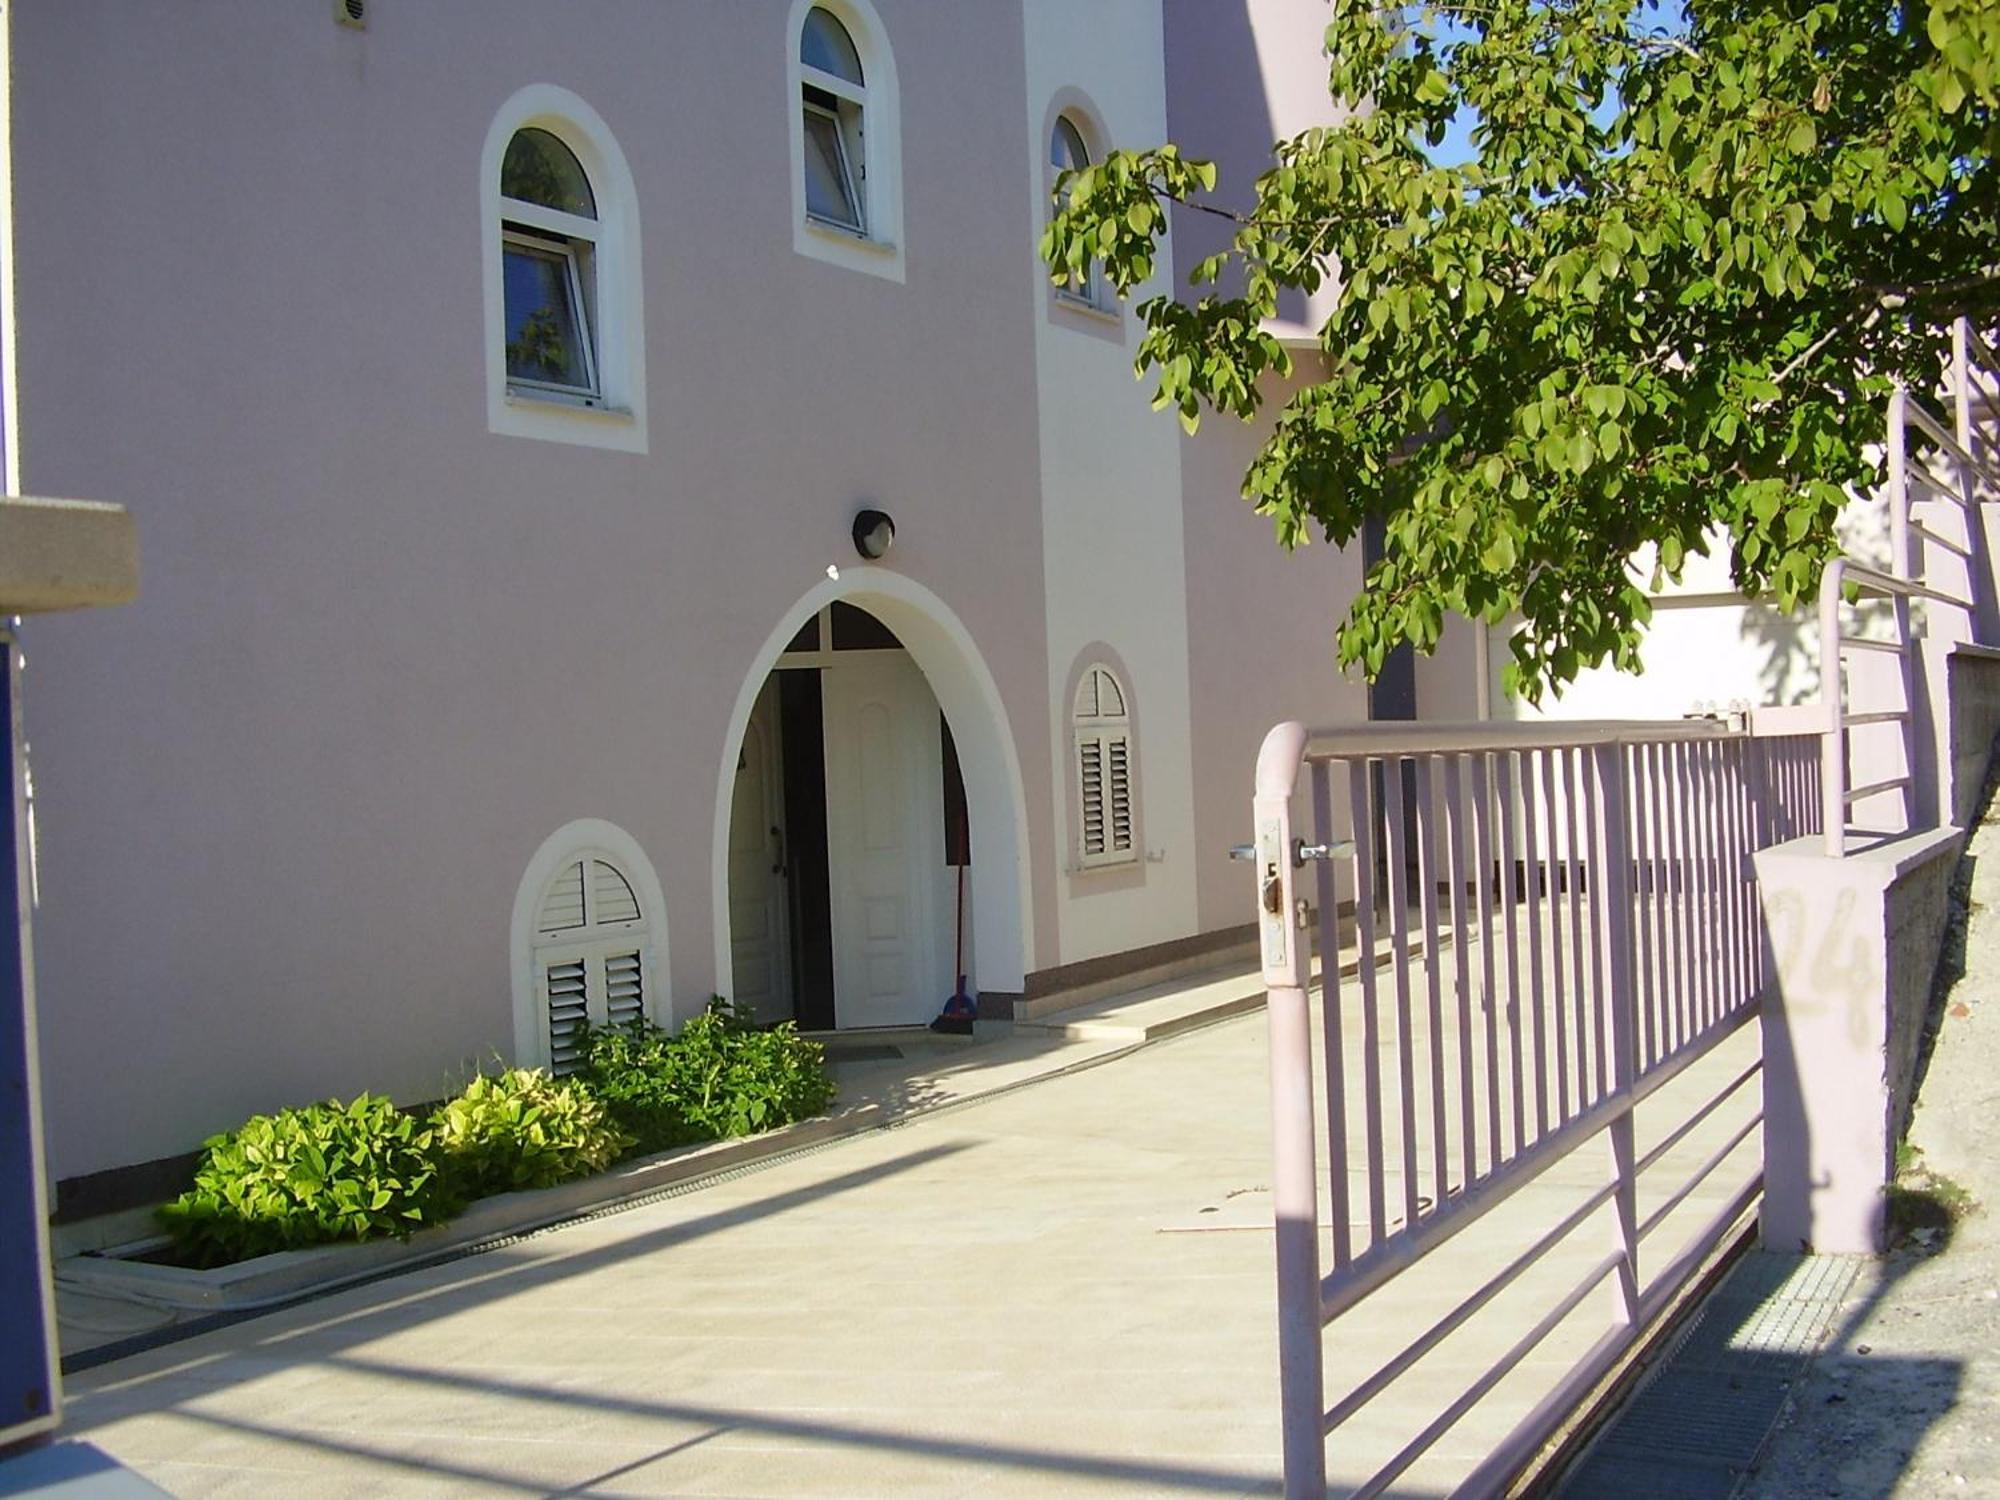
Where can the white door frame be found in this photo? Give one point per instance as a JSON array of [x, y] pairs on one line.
[[1000, 895]]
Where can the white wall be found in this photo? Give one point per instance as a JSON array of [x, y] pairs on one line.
[[1112, 543]]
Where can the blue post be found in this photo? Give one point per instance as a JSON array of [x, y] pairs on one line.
[[28, 1389]]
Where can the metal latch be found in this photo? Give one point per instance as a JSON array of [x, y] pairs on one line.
[[1301, 852]]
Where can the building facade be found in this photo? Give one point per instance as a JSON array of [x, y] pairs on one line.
[[497, 386]]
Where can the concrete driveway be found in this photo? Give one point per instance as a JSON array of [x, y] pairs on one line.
[[982, 1302], [1062, 1289]]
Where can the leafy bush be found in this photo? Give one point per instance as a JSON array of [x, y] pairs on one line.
[[523, 1129], [722, 1075], [356, 1171], [305, 1177]]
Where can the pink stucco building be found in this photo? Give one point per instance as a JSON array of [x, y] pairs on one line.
[[496, 386]]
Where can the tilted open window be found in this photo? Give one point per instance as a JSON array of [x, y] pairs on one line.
[[548, 251], [846, 138]]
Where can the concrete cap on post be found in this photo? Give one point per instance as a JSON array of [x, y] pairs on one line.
[[65, 554]]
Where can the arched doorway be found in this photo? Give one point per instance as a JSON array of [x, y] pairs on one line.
[[868, 754]]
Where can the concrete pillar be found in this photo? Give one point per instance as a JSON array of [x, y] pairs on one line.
[[1851, 946]]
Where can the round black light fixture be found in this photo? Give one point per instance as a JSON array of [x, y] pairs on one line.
[[874, 534]]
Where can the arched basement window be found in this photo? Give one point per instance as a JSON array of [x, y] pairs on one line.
[[589, 949]]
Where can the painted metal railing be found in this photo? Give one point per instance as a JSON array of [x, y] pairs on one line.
[[1871, 746], [1571, 924]]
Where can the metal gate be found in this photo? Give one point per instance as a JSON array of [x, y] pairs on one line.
[[1575, 928]]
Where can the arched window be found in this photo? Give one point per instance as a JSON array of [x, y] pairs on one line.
[[846, 139], [589, 941], [1069, 151], [565, 333], [548, 239], [833, 94], [1101, 726], [590, 953]]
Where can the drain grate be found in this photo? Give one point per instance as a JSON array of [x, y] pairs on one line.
[[1703, 1414]]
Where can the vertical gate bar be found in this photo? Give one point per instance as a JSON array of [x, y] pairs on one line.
[[1329, 1020], [1671, 985], [1675, 787], [1698, 878], [1615, 919], [1504, 764], [1427, 873], [1294, 1190], [1742, 840], [1711, 862], [1663, 873], [1690, 876], [1718, 947], [1461, 937], [1490, 1009], [1398, 884], [1360, 801], [1531, 872], [1639, 779], [1647, 795], [1602, 884], [1734, 840], [1815, 769], [1286, 951], [1553, 873]]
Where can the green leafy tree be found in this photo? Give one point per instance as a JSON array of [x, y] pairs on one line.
[[1685, 259]]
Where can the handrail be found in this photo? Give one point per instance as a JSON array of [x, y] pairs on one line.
[[1917, 416], [1977, 346], [1413, 737], [1873, 581]]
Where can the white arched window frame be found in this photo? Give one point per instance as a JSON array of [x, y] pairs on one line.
[[1073, 145], [605, 406], [589, 942], [1101, 734], [854, 124]]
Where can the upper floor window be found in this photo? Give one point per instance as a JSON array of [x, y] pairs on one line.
[[834, 97], [548, 238], [565, 332], [846, 138], [1069, 152]]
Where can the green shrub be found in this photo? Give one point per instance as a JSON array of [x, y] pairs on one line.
[[305, 1177], [523, 1129], [722, 1075]]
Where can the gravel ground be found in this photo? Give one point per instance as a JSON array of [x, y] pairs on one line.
[[1905, 1399]]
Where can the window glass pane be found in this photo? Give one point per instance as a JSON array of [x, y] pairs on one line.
[[808, 637], [829, 188], [543, 343], [825, 44], [855, 629], [1066, 147], [540, 169]]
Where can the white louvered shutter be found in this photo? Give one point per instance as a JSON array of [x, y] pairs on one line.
[[1101, 727], [611, 896], [1090, 786], [562, 908], [590, 956], [1118, 796], [624, 988], [566, 993]]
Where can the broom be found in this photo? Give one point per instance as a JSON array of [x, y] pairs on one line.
[[960, 1010]]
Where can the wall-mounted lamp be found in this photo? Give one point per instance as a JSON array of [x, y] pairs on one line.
[[874, 534]]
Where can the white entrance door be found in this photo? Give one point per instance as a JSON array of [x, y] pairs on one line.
[[885, 838], [758, 940]]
